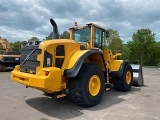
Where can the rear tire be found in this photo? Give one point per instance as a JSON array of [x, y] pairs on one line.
[[87, 88], [124, 83]]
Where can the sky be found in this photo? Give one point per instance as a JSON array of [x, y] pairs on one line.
[[22, 19]]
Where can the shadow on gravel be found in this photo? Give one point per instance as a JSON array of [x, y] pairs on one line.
[[9, 69], [144, 85], [114, 97], [64, 109], [57, 108]]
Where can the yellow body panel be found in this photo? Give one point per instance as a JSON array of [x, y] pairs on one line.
[[116, 64], [74, 58], [70, 48], [112, 64], [50, 83]]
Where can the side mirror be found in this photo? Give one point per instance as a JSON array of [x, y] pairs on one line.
[[107, 34]]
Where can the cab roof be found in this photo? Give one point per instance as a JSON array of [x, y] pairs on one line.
[[89, 24]]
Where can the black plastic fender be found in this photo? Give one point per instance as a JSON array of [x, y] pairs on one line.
[[75, 69], [119, 73]]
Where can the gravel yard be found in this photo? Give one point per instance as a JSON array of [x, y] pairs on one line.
[[141, 103]]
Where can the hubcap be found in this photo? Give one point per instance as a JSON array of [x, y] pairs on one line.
[[94, 85], [128, 77]]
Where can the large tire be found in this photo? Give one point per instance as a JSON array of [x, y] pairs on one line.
[[87, 88], [2, 67], [124, 83]]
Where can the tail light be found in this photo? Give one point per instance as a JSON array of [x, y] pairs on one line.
[[46, 73]]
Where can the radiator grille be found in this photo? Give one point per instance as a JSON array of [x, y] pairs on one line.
[[28, 60]]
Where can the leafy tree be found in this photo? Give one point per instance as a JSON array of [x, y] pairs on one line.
[[141, 47], [65, 35], [49, 37], [16, 46], [114, 42], [23, 43], [154, 54], [32, 39], [125, 51]]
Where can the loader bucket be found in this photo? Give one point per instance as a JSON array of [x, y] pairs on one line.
[[137, 75]]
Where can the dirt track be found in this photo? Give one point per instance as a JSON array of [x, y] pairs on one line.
[[19, 103]]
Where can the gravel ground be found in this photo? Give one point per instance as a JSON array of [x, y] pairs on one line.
[[141, 103]]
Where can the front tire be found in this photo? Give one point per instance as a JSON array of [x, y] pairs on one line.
[[124, 83], [2, 67], [87, 88]]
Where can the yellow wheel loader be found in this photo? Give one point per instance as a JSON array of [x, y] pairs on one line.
[[77, 67]]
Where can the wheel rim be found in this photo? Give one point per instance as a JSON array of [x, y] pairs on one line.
[[128, 77], [94, 85]]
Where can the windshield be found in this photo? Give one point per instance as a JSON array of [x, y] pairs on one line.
[[82, 35]]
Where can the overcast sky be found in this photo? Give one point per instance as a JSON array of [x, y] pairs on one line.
[[22, 19]]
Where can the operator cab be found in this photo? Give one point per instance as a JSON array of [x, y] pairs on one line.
[[91, 34]]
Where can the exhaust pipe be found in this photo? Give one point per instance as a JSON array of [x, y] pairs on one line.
[[137, 75], [55, 29]]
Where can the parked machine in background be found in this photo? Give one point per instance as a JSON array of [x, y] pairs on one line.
[[8, 58], [77, 67]]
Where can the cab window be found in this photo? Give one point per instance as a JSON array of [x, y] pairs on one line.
[[82, 35], [98, 37]]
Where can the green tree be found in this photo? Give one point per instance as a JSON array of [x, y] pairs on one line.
[[141, 46], [32, 39], [114, 42], [64, 35], [154, 54], [158, 53], [49, 37], [23, 43], [16, 46], [125, 51]]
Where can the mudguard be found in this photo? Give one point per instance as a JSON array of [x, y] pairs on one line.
[[82, 55], [119, 73]]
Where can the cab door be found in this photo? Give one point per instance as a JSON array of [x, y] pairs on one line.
[[98, 37]]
